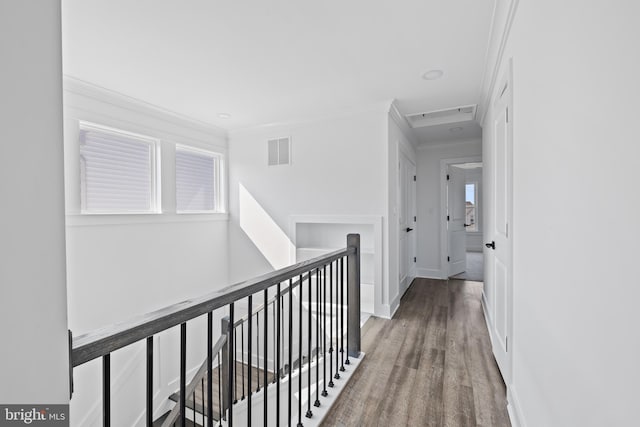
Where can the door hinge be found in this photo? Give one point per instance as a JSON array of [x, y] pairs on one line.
[[447, 217], [414, 177], [448, 259], [448, 177], [507, 111], [414, 259], [415, 218], [506, 344]]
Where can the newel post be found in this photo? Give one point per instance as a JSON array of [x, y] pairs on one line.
[[225, 376], [353, 295]]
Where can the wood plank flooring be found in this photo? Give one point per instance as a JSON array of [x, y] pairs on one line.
[[240, 391], [431, 365]]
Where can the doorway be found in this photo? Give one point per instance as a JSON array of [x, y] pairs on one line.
[[463, 223]]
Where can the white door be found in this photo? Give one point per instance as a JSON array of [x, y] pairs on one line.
[[407, 220], [456, 215], [499, 249]]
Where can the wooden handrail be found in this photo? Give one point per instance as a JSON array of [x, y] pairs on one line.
[[105, 340]]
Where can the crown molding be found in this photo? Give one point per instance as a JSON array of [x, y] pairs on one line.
[[83, 88], [500, 26]]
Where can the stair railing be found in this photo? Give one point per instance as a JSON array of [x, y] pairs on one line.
[[316, 281]]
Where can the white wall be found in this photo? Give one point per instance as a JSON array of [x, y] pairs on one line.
[[338, 168], [120, 266], [33, 307], [429, 201], [576, 344]]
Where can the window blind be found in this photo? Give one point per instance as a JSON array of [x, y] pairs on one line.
[[196, 181], [116, 172]]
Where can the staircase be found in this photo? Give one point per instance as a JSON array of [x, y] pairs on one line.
[[309, 319]]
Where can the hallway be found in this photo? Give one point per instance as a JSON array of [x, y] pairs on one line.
[[431, 365]]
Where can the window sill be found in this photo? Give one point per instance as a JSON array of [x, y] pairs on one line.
[[81, 220]]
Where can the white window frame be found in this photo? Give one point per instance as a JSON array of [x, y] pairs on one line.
[[155, 204], [219, 181]]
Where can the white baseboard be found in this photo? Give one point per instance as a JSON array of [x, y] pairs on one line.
[[383, 311], [430, 273], [514, 408]]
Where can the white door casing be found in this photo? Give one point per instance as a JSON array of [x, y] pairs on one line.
[[500, 213], [456, 214], [406, 219]]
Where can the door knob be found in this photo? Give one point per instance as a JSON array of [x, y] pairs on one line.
[[466, 225], [409, 229], [491, 245]]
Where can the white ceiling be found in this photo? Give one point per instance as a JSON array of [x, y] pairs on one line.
[[273, 61]]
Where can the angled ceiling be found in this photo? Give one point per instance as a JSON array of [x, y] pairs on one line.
[[273, 61]]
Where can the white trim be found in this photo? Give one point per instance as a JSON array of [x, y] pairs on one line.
[[84, 88], [84, 220], [374, 220], [514, 408], [504, 28], [444, 241], [402, 123], [430, 273]]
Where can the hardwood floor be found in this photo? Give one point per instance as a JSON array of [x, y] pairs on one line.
[[431, 365]]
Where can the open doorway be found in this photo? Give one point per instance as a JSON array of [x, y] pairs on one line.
[[464, 228]]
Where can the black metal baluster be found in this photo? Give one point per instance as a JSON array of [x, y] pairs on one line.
[[219, 390], [290, 348], [347, 362], [235, 340], [276, 368], [193, 397], [277, 351], [338, 319], [300, 354], [209, 370], [232, 366], [266, 353], [250, 367], [331, 324], [183, 373], [150, 381], [309, 414], [324, 331], [202, 394], [258, 349], [317, 402], [106, 390], [342, 314], [242, 367]]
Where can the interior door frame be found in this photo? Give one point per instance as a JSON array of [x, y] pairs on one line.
[[402, 150], [504, 97], [444, 240]]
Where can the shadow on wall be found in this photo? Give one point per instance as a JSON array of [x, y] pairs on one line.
[[259, 245]]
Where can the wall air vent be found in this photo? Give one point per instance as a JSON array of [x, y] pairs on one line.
[[279, 150], [440, 117]]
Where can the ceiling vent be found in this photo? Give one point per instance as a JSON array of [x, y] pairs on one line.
[[441, 117], [279, 151]]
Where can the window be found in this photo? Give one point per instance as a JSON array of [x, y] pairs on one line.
[[198, 181], [118, 171], [471, 197]]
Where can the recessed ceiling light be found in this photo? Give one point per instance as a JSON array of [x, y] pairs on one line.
[[456, 129], [224, 115], [433, 74]]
